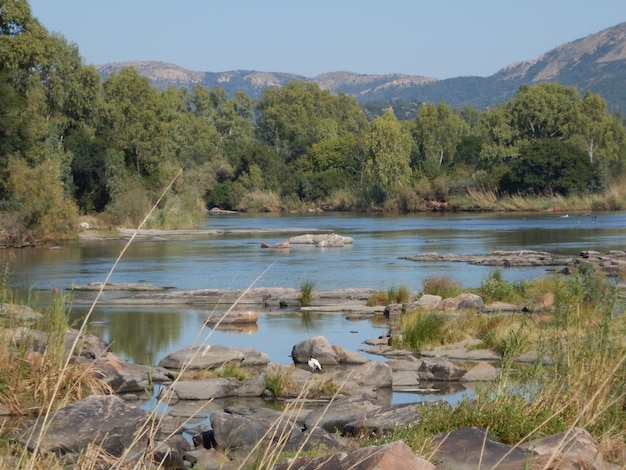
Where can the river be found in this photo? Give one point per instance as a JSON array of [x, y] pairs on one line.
[[232, 259]]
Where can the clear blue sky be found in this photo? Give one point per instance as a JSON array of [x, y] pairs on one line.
[[434, 38]]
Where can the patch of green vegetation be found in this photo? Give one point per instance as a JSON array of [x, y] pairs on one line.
[[306, 293], [442, 286]]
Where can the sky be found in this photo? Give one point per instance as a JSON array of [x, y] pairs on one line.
[[433, 38]]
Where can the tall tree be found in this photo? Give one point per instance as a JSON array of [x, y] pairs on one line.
[[438, 131], [390, 149]]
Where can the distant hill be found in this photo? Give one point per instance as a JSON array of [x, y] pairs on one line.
[[596, 63]]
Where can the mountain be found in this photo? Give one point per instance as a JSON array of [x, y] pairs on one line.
[[596, 63]]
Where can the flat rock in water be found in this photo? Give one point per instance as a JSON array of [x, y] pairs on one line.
[[212, 356], [124, 286]]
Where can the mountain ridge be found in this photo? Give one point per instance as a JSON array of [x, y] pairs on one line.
[[596, 63]]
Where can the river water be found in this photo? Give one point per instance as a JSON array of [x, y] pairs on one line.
[[233, 259]]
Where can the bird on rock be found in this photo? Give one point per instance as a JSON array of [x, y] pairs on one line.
[[314, 364]]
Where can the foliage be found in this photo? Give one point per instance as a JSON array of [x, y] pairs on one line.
[[443, 286], [107, 146], [420, 329], [306, 293]]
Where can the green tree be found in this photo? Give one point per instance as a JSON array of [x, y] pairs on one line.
[[601, 135], [549, 166], [390, 149], [292, 118], [438, 132]]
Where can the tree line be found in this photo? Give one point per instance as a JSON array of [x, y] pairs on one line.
[[72, 143]]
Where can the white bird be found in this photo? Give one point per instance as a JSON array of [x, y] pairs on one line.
[[314, 364]]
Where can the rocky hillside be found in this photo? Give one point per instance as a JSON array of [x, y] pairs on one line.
[[596, 62]]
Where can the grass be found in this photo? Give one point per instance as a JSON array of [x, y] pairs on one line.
[[306, 293], [393, 295], [442, 286], [578, 379]]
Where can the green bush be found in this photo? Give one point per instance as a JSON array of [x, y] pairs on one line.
[[442, 286]]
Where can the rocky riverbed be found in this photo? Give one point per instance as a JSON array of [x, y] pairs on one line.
[[215, 420]]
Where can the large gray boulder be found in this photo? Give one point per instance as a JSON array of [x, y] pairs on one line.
[[317, 347], [340, 412], [212, 356], [471, 448], [104, 420], [217, 387], [440, 369]]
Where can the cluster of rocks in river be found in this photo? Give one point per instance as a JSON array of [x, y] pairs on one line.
[[351, 397]]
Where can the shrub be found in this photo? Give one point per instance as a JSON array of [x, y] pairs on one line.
[[442, 286], [259, 201]]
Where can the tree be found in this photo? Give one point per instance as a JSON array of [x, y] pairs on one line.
[[390, 149], [438, 131], [292, 118], [599, 133], [548, 166]]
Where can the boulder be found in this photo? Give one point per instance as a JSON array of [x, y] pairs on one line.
[[426, 302], [472, 448], [483, 371], [19, 313], [340, 412], [233, 317], [368, 376], [393, 456], [125, 377], [104, 420], [577, 445], [212, 356], [349, 357], [464, 301], [385, 419], [440, 369], [317, 347], [279, 245], [321, 240], [234, 432], [217, 387]]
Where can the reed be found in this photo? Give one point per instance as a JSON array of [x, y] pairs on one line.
[[306, 293]]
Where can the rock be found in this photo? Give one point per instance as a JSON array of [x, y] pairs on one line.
[[218, 387], [393, 456], [124, 377], [405, 378], [19, 313], [233, 317], [253, 387], [464, 301], [279, 245], [404, 363], [349, 357], [340, 412], [393, 311], [427, 302], [212, 356], [385, 419], [577, 445], [321, 240], [369, 376], [105, 420], [317, 347], [211, 459], [236, 432], [483, 371], [472, 448], [440, 369]]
